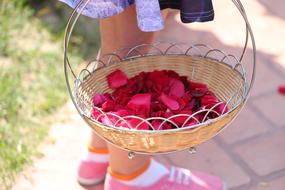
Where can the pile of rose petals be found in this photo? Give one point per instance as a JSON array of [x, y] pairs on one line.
[[162, 94]]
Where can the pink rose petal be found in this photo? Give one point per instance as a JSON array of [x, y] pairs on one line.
[[107, 121]]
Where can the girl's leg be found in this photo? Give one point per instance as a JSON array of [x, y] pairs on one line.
[[97, 142], [121, 164], [117, 32]]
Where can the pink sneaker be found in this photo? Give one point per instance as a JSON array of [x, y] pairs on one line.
[[91, 173], [173, 178]]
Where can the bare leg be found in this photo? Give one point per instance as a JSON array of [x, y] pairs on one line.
[[120, 163], [117, 32]]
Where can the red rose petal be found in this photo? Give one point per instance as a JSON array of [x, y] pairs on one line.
[[112, 117], [117, 79], [187, 97], [222, 108], [157, 114], [157, 106], [109, 105], [197, 85], [198, 89], [168, 114], [136, 84], [208, 99], [191, 123], [140, 103], [180, 120], [96, 114], [200, 116], [169, 102], [122, 96], [185, 81], [138, 124], [172, 74], [122, 113], [190, 105], [281, 89], [158, 81], [134, 123], [176, 88], [156, 125]]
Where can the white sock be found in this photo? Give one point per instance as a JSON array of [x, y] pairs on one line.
[[96, 157], [154, 173]]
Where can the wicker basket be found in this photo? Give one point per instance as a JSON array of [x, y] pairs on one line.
[[226, 79]]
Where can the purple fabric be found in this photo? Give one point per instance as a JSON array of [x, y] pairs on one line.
[[148, 11]]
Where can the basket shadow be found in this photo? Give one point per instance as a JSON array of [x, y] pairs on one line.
[[267, 67], [269, 74]]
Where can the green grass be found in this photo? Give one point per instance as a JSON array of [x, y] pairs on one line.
[[32, 86]]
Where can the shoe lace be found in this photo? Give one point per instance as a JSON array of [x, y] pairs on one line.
[[180, 176]]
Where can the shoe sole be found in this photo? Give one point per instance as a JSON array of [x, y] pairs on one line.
[[89, 182]]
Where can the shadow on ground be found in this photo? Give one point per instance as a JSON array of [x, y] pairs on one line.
[[269, 75]]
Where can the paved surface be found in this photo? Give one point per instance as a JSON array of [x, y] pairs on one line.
[[249, 155]]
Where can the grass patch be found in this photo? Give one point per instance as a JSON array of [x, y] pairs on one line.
[[32, 86]]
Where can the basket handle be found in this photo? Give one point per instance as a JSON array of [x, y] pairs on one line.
[[83, 3]]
